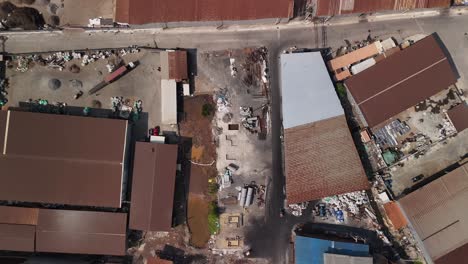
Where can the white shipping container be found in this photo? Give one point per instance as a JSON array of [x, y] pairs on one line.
[[357, 68]]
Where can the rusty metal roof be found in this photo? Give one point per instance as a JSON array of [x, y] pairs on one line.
[[401, 81], [459, 116], [396, 216], [153, 11], [339, 7], [321, 160], [18, 215], [153, 186], [455, 256], [17, 237], [178, 65], [436, 213], [64, 159], [81, 232]]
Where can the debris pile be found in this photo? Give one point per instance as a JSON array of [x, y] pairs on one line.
[[125, 107], [296, 209], [249, 121], [354, 204], [221, 98], [23, 63], [387, 136], [255, 67]]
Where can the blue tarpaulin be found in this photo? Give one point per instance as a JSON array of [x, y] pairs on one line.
[[310, 250]]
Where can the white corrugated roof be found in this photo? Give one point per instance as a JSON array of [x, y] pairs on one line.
[[169, 102], [308, 94]]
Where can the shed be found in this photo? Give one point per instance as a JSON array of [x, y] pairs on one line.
[[153, 186], [396, 216], [169, 102], [459, 116], [174, 65]]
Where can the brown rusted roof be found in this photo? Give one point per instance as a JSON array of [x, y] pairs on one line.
[[401, 81], [81, 232], [66, 137], [156, 260], [456, 256], [354, 56], [18, 215], [17, 237], [178, 65], [153, 186], [396, 216], [459, 116], [437, 214], [152, 11], [321, 160], [64, 159], [338, 7]]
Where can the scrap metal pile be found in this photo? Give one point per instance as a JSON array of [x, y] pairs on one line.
[[296, 209], [387, 136], [3, 92], [125, 107], [58, 60], [249, 121], [246, 194]]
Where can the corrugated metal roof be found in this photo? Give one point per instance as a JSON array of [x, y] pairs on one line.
[[144, 11], [401, 81], [17, 237], [459, 116], [338, 7], [308, 94], [321, 160], [169, 102], [66, 137], [311, 250], [65, 160], [436, 212], [81, 232], [18, 215], [396, 216], [353, 57], [153, 186], [178, 65]]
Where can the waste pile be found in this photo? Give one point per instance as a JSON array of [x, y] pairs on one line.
[[296, 209], [58, 60], [221, 98], [354, 204], [125, 107], [249, 121]]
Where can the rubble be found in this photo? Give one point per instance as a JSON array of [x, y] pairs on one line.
[[249, 121], [221, 98], [3, 92], [296, 209]]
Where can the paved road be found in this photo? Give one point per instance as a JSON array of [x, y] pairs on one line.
[[269, 238]]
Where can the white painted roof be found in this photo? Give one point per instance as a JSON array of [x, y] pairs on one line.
[[308, 94]]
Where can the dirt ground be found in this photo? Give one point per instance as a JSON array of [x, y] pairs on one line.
[[197, 216], [143, 83], [199, 128]]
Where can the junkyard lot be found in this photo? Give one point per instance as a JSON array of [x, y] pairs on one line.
[[143, 83]]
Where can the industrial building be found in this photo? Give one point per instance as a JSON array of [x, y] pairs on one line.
[[153, 185], [61, 159], [319, 153], [401, 81], [436, 214], [343, 7], [309, 250], [174, 65], [62, 231], [163, 11]]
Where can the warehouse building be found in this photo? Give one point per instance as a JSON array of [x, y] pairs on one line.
[[163, 11], [309, 250], [153, 185], [438, 218], [61, 159], [319, 153], [62, 231], [343, 7], [459, 116], [401, 81]]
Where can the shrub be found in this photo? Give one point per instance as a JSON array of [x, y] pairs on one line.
[[213, 218], [207, 109]]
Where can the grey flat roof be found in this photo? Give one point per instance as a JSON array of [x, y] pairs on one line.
[[308, 95]]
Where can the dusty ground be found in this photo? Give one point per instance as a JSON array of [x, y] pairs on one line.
[[239, 147], [197, 216], [69, 12], [141, 83]]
